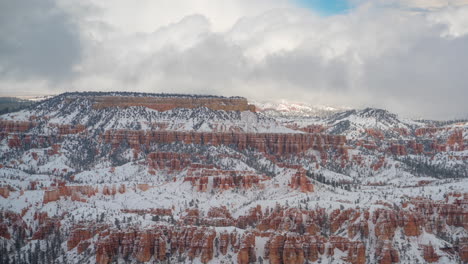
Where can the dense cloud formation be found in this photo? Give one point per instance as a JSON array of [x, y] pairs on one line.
[[406, 56], [37, 39]]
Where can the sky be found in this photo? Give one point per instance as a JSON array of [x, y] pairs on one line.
[[326, 7], [407, 56]]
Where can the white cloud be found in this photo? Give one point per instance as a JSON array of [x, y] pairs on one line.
[[376, 55]]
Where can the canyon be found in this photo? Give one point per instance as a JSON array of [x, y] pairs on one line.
[[158, 178]]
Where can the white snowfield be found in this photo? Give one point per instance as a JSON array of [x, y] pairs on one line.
[[395, 182]]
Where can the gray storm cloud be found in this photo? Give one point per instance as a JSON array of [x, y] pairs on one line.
[[411, 63], [37, 40]]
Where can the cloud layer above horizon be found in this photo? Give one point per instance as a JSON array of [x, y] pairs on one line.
[[408, 56]]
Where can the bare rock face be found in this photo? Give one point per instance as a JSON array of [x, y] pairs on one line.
[[293, 251], [386, 254], [168, 103], [4, 231], [455, 140], [252, 217], [11, 222], [386, 222], [218, 216], [276, 143], [274, 249], [149, 244], [224, 242], [411, 225], [246, 252], [223, 179], [301, 182], [7, 126], [427, 131], [463, 249], [356, 249], [79, 234], [46, 228], [338, 218], [417, 148], [152, 211], [173, 162], [294, 248], [292, 235], [4, 192], [76, 193], [398, 150], [429, 254], [51, 196]]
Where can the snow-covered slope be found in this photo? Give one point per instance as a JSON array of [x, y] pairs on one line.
[[80, 184], [69, 109]]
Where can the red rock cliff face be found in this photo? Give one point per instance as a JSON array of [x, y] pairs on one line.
[[155, 243], [168, 103], [4, 192], [15, 126], [223, 179], [463, 249], [429, 254], [275, 143], [292, 235], [77, 193], [455, 141], [386, 254], [300, 181], [168, 161]]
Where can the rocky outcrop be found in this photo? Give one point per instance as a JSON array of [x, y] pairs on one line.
[[78, 234], [152, 211], [246, 253], [4, 192], [385, 253], [51, 196], [387, 221], [68, 129], [212, 179], [76, 193], [375, 133], [4, 232], [293, 248], [293, 235], [455, 140], [411, 224], [417, 148], [168, 103], [453, 214], [173, 162], [10, 224], [398, 150], [463, 249], [218, 216], [155, 243], [275, 143], [301, 182], [356, 249], [7, 126], [46, 227], [429, 254], [428, 131], [338, 218]]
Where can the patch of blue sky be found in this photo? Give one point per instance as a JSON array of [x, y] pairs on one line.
[[326, 7]]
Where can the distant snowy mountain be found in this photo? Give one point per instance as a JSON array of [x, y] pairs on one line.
[[354, 122], [70, 109], [284, 108]]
